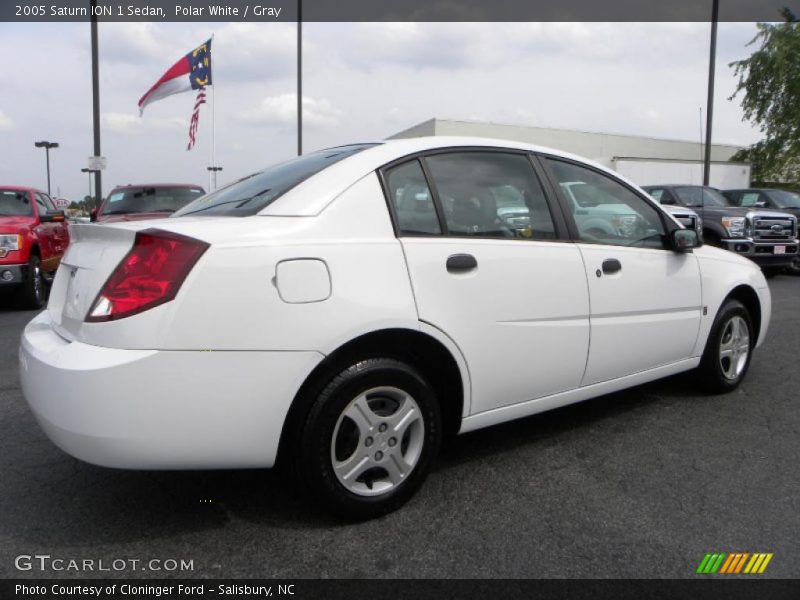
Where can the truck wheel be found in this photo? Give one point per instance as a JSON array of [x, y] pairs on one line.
[[32, 294], [370, 439], [728, 349], [794, 267]]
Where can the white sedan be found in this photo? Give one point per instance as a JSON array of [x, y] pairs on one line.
[[343, 310]]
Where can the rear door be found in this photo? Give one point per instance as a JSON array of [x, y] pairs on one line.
[[645, 298], [490, 269]]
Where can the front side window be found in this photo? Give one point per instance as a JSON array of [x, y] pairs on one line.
[[413, 203], [605, 211], [699, 196], [784, 199], [42, 203], [491, 194], [14, 203]]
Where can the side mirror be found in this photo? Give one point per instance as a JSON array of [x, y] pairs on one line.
[[53, 216], [684, 240], [93, 215]]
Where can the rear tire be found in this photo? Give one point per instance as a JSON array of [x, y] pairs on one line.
[[32, 294], [369, 439], [728, 351]]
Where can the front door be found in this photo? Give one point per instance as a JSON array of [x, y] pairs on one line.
[[645, 298]]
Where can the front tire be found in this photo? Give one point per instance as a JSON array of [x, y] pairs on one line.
[[794, 267], [728, 350], [32, 293], [369, 439]]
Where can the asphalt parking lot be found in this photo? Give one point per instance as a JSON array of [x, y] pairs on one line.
[[636, 484]]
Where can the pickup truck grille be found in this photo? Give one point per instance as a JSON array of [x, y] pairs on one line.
[[773, 228]]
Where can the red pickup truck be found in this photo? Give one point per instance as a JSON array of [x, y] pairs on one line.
[[33, 237]]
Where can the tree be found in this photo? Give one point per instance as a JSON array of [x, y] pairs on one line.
[[770, 83]]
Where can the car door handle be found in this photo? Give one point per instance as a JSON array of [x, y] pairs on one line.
[[611, 265], [457, 263]]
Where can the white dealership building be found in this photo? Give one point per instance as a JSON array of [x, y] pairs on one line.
[[644, 160]]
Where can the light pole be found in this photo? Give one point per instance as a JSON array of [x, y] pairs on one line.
[[89, 171], [214, 171], [47, 146]]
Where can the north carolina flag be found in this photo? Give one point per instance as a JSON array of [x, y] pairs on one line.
[[191, 72]]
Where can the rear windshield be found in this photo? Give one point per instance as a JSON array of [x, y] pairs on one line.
[[14, 203], [253, 193], [150, 199]]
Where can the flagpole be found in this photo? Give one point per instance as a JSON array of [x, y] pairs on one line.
[[212, 174]]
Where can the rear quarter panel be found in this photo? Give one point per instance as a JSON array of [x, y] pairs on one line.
[[230, 300]]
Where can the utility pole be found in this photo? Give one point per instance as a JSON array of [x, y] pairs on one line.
[[214, 171], [299, 77], [98, 184], [89, 171], [47, 146], [712, 63]]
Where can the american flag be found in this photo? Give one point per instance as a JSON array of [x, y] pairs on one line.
[[199, 101]]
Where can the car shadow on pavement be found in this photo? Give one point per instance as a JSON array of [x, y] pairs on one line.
[[56, 500], [553, 424]]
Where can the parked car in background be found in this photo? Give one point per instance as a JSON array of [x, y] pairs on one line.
[[33, 239], [768, 238], [686, 217], [145, 201], [783, 200], [340, 311]]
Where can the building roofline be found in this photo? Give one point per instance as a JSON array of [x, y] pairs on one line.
[[561, 129]]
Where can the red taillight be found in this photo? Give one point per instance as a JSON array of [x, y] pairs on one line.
[[150, 274]]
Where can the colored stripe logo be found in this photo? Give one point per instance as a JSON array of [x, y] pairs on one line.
[[734, 563]]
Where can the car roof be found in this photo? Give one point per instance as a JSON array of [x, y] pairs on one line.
[[21, 188], [315, 193]]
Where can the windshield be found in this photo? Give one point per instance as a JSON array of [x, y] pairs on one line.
[[144, 199], [14, 203], [253, 193], [699, 196], [784, 199]]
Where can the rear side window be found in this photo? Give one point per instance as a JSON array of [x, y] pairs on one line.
[[491, 194], [15, 203], [412, 200], [251, 194]]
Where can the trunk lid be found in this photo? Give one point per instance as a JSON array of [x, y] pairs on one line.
[[93, 253]]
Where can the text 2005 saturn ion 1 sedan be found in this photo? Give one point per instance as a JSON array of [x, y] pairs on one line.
[[345, 309]]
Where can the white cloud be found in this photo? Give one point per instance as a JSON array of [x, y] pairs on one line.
[[281, 110], [5, 122], [128, 123]]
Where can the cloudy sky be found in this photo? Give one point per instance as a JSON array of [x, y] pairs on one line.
[[363, 82]]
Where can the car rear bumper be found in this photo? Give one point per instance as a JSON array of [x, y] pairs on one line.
[[762, 253], [149, 409]]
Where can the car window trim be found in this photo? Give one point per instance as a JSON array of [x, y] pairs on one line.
[[559, 224], [668, 225]]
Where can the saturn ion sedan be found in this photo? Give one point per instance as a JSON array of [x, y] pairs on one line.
[[341, 312]]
